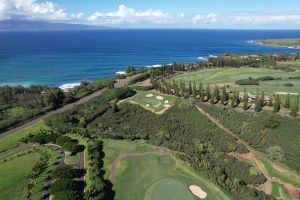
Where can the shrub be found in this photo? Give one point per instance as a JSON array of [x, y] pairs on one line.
[[272, 122], [67, 172], [249, 81], [67, 195], [61, 185], [288, 85]]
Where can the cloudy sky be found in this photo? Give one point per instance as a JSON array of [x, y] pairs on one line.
[[237, 14]]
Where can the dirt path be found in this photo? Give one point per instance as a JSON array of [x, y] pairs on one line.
[[60, 110], [253, 157], [120, 157]]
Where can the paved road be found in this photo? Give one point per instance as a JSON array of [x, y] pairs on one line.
[[60, 110]]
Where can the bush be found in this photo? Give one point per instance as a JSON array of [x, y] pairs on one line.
[[61, 185], [67, 172], [67, 195], [272, 122], [249, 81], [288, 85]]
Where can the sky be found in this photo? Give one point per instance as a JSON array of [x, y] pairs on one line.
[[232, 14]]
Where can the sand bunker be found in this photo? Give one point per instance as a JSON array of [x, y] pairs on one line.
[[166, 101], [149, 95], [147, 105], [167, 106], [197, 191], [159, 97]]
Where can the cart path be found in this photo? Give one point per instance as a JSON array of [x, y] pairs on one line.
[[253, 156]]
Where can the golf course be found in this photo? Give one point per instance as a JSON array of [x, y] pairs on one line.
[[161, 174]]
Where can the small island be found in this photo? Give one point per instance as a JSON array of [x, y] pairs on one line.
[[288, 42]]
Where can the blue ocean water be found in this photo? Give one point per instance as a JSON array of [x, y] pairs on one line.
[[60, 57]]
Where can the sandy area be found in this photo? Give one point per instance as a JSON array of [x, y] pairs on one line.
[[147, 105], [167, 106], [197, 191], [166, 101], [149, 95], [286, 93], [159, 97]]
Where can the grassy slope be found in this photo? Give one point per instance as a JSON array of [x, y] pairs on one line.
[[10, 142], [13, 174]]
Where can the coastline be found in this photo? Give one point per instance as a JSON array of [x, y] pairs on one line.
[[260, 42]]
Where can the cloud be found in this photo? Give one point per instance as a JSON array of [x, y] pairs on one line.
[[32, 10], [248, 19], [126, 15]]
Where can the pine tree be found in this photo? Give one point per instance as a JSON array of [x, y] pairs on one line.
[[270, 101], [245, 99], [176, 90], [295, 107], [212, 99], [224, 96], [257, 103], [216, 94], [190, 89], [201, 93], [287, 102], [208, 95], [182, 89], [233, 100], [194, 90], [262, 99], [276, 107]]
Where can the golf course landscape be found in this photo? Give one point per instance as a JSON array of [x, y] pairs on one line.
[[181, 132]]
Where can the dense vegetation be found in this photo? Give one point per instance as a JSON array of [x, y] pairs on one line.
[[66, 185], [276, 136], [18, 104]]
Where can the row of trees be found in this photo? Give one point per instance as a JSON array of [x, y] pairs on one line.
[[99, 188], [223, 97], [36, 171]]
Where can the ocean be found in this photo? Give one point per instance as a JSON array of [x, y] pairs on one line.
[[68, 57]]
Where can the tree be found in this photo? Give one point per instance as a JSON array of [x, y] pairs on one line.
[[207, 92], [53, 97], [176, 90], [287, 102], [295, 107], [224, 96], [216, 94], [276, 107], [245, 99], [235, 99], [262, 99], [129, 69], [201, 93], [270, 101], [190, 90], [257, 103], [182, 89], [194, 90]]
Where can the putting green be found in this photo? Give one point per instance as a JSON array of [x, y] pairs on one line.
[[153, 101], [169, 189]]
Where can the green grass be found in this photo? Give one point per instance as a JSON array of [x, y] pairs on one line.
[[231, 75], [13, 141], [72, 159], [148, 177], [154, 104], [113, 148], [279, 191], [284, 176], [13, 174]]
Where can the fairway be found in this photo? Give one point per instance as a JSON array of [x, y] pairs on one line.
[[153, 101], [229, 76], [159, 176]]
